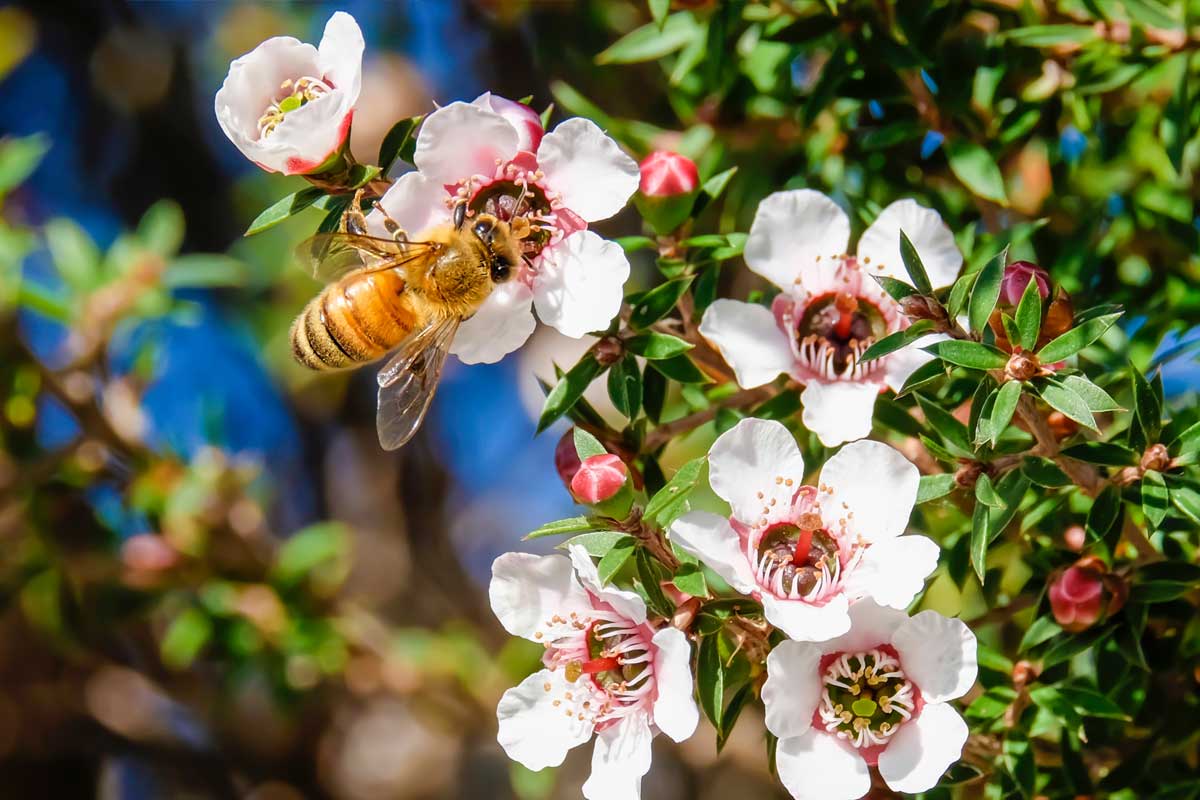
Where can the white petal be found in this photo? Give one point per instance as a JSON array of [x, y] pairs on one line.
[[527, 122], [757, 467], [923, 748], [893, 571], [939, 654], [620, 759], [341, 53], [933, 241], [627, 604], [838, 412], [461, 140], [415, 203], [791, 229], [533, 730], [876, 484], [675, 710], [817, 766], [711, 539], [805, 622], [589, 171], [870, 626], [793, 688], [580, 284], [904, 362], [748, 339], [501, 325], [527, 590]]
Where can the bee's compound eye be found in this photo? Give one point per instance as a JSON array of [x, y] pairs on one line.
[[501, 269], [485, 231]]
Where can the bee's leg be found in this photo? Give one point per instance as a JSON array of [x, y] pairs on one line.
[[460, 215], [392, 227], [353, 219]]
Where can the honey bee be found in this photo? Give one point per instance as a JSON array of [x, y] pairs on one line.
[[403, 298]]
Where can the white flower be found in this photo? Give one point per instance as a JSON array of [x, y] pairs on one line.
[[807, 553], [830, 309], [608, 672], [492, 155], [287, 105], [875, 696]]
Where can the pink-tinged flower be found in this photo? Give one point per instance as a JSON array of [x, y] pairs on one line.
[[876, 696], [667, 174], [808, 553], [607, 672], [1077, 598], [480, 154], [830, 309], [1017, 276], [287, 105], [599, 478]]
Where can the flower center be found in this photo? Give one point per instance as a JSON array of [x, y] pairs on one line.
[[798, 561], [296, 93], [835, 330], [521, 203], [610, 664], [866, 697]]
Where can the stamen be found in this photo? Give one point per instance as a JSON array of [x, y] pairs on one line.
[[299, 93]]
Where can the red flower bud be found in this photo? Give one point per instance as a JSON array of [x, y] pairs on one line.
[[566, 459], [1017, 276], [599, 478], [667, 174], [1083, 593]]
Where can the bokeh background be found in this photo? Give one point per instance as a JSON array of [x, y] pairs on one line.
[[223, 588]]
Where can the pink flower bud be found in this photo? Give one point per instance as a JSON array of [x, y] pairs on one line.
[[527, 121], [667, 174], [1077, 597], [566, 459], [1017, 276], [599, 478]]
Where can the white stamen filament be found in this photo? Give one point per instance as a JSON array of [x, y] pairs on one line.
[[818, 354], [860, 682], [307, 88]]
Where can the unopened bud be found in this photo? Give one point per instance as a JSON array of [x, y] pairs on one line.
[[1023, 674], [916, 307], [1017, 276], [603, 481], [1083, 593], [1156, 458], [1022, 366], [667, 190], [566, 458]]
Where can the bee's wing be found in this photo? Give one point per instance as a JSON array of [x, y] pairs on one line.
[[329, 256], [409, 379]]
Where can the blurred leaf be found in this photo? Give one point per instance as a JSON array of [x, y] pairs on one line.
[[284, 208], [1108, 454], [1019, 763], [649, 42], [658, 11], [1042, 629], [975, 167], [932, 487], [185, 638], [19, 157], [1104, 514], [981, 535], [832, 74], [76, 257], [306, 550], [204, 271], [1164, 582], [161, 228], [569, 389], [1050, 35]]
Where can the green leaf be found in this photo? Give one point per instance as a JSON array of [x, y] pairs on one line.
[[292, 204], [1068, 647], [658, 302], [894, 341], [654, 394], [650, 42], [651, 580], [1187, 500], [1006, 403], [596, 543], [569, 389], [1155, 497], [1077, 338], [1029, 317], [559, 527], [960, 293], [667, 502], [974, 166], [185, 638], [1019, 763], [689, 579], [897, 289], [1091, 703], [658, 11], [625, 386], [203, 270], [972, 355], [19, 157], [732, 711], [986, 493], [1096, 398], [679, 369], [931, 487], [1174, 127], [1109, 454], [76, 257], [986, 292], [617, 556], [1069, 403], [714, 186], [309, 549], [1164, 582], [587, 445], [1147, 410], [952, 432], [914, 266], [655, 346], [710, 678], [1042, 629], [1104, 514], [921, 376], [161, 228], [399, 142], [980, 537], [1049, 35]]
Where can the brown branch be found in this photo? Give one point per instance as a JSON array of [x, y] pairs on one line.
[[1083, 475]]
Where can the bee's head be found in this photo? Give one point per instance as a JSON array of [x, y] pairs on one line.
[[503, 253]]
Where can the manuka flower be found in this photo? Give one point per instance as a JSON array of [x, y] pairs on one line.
[[830, 309], [607, 672], [287, 105], [807, 553], [494, 157], [876, 696]]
